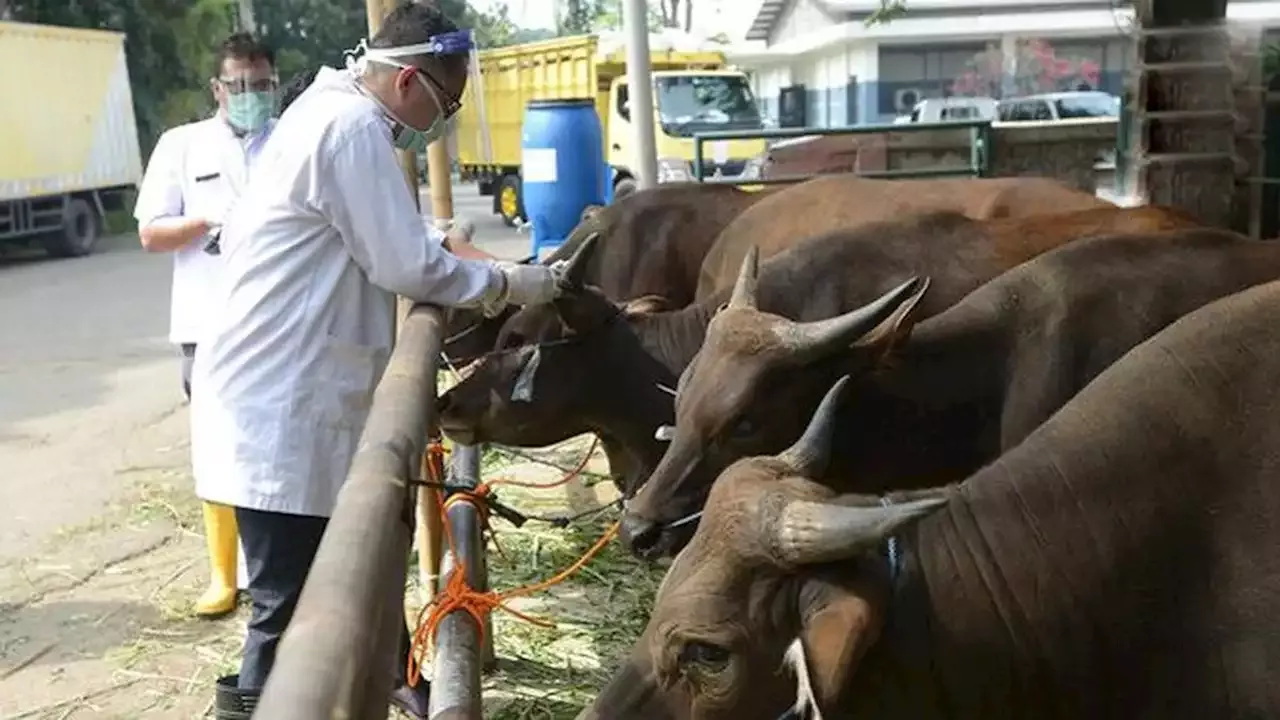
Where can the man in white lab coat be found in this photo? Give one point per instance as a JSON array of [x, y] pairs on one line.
[[325, 237], [194, 175]]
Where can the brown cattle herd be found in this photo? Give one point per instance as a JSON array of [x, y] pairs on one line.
[[966, 448]]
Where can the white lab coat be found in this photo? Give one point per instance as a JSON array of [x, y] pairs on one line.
[[196, 170], [325, 236]]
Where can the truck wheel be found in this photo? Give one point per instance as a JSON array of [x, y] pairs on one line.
[[79, 233], [508, 201], [623, 188]]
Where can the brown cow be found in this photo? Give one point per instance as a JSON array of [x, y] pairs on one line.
[[653, 243], [844, 202], [1118, 563], [607, 375], [970, 382]]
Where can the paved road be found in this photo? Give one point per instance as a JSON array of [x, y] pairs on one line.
[[88, 380]]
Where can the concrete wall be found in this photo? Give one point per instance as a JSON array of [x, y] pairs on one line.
[[800, 19]]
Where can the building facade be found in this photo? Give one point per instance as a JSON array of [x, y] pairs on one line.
[[819, 63]]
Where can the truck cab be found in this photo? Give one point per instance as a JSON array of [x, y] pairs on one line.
[[694, 92], [686, 103]]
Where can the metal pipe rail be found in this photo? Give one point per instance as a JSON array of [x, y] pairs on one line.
[[337, 659], [979, 142], [459, 656]]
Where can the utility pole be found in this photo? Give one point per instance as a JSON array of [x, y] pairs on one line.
[[635, 23], [248, 23]]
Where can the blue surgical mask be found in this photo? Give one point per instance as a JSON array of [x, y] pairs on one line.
[[250, 111]]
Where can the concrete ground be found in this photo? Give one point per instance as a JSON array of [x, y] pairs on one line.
[[100, 552]]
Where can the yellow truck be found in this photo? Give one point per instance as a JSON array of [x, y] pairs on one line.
[[70, 138], [694, 92]]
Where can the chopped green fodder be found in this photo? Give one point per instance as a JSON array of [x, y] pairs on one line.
[[552, 673]]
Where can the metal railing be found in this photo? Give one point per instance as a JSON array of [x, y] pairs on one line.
[[459, 655], [979, 141], [338, 657]]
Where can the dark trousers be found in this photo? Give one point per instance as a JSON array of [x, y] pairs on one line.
[[188, 357], [278, 551]]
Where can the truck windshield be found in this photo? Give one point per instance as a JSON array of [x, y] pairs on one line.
[[1086, 105], [690, 104]]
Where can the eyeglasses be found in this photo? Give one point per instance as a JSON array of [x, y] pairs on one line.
[[242, 84], [449, 106]]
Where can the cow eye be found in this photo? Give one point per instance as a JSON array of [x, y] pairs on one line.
[[743, 428], [512, 340], [703, 656]]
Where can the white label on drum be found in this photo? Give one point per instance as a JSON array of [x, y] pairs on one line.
[[538, 165], [720, 151]]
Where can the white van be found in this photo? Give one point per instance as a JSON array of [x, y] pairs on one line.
[[950, 109], [1051, 107]]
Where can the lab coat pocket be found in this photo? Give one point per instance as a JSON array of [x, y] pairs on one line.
[[349, 378]]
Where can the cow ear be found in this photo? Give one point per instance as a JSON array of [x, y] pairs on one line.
[[584, 310], [646, 305], [894, 330], [839, 624]]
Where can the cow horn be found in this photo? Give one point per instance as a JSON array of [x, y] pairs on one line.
[[575, 271], [815, 339], [809, 455], [809, 532], [744, 290]]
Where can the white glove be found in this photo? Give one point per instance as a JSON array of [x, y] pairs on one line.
[[521, 285], [462, 226]]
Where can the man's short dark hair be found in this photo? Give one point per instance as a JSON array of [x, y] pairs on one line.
[[243, 46], [412, 23]]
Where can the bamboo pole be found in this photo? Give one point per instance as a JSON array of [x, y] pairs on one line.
[[334, 660]]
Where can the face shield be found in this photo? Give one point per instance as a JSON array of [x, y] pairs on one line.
[[460, 42], [250, 99]]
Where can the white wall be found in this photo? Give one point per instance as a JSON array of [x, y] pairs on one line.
[[802, 18]]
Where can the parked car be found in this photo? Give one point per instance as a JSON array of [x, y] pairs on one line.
[[950, 109], [1059, 106]]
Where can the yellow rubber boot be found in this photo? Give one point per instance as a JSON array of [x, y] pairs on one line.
[[220, 535]]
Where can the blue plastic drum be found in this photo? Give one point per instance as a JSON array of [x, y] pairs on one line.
[[562, 168]]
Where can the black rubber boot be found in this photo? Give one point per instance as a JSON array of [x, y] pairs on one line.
[[232, 703], [412, 701]]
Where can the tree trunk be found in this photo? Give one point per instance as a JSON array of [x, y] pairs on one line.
[[688, 15], [1184, 117]]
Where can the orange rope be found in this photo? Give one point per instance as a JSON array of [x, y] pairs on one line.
[[575, 472], [457, 595]]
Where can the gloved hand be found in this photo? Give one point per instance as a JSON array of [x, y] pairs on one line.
[[461, 226], [522, 285]]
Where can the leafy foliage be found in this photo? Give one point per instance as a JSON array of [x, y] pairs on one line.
[[170, 44]]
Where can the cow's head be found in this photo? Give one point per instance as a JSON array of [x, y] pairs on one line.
[[583, 362], [469, 334], [748, 390], [780, 572]]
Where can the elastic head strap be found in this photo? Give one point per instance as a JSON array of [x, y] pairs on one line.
[[459, 42]]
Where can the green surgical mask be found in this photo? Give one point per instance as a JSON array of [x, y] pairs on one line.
[[250, 111], [415, 141], [408, 138]]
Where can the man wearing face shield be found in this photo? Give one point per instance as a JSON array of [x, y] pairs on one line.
[[325, 238], [194, 175]]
